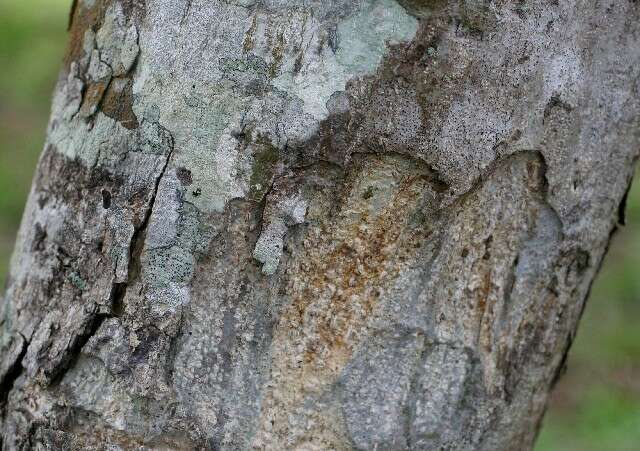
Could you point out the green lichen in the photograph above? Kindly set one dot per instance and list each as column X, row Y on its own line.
column 365, row 35
column 362, row 38
column 77, row 281
column 241, row 65
column 423, row 8
column 368, row 193
column 265, row 159
column 476, row 16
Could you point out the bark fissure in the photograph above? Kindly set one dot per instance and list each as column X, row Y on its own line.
column 13, row 373
column 137, row 242
column 75, row 348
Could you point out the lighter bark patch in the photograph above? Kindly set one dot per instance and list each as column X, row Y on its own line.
column 338, row 282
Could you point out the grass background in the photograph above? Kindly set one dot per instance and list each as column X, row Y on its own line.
column 596, row 406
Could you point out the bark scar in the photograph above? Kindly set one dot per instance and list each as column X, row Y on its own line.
column 285, row 207
column 137, row 242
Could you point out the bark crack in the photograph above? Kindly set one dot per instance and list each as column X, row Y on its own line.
column 136, row 245
column 75, row 348
column 118, row 290
column 13, row 373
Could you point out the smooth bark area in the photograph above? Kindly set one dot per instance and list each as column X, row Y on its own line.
column 319, row 224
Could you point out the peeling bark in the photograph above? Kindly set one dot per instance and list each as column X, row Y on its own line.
column 316, row 225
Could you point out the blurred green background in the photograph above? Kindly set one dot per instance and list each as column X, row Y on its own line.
column 596, row 406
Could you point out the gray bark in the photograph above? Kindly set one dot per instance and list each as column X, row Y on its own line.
column 319, row 224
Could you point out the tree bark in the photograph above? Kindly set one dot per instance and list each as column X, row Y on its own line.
column 320, row 224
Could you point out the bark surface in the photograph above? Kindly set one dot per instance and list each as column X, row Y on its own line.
column 319, row 224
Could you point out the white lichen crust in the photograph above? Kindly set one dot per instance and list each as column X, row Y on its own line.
column 329, row 224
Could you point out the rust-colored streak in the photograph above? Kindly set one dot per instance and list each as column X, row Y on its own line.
column 357, row 273
column 118, row 103
column 82, row 19
column 249, row 39
column 484, row 291
column 338, row 281
column 92, row 97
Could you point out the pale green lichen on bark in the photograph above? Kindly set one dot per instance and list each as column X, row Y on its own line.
column 362, row 40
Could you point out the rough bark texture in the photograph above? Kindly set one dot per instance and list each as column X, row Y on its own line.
column 319, row 224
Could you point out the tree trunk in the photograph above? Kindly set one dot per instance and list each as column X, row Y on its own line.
column 319, row 224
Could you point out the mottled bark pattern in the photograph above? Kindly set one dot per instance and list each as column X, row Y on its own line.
column 320, row 224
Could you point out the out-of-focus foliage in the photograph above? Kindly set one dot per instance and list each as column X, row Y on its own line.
column 32, row 39
column 596, row 406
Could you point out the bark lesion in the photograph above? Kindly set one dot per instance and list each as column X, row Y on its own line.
column 102, row 53
column 56, row 333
